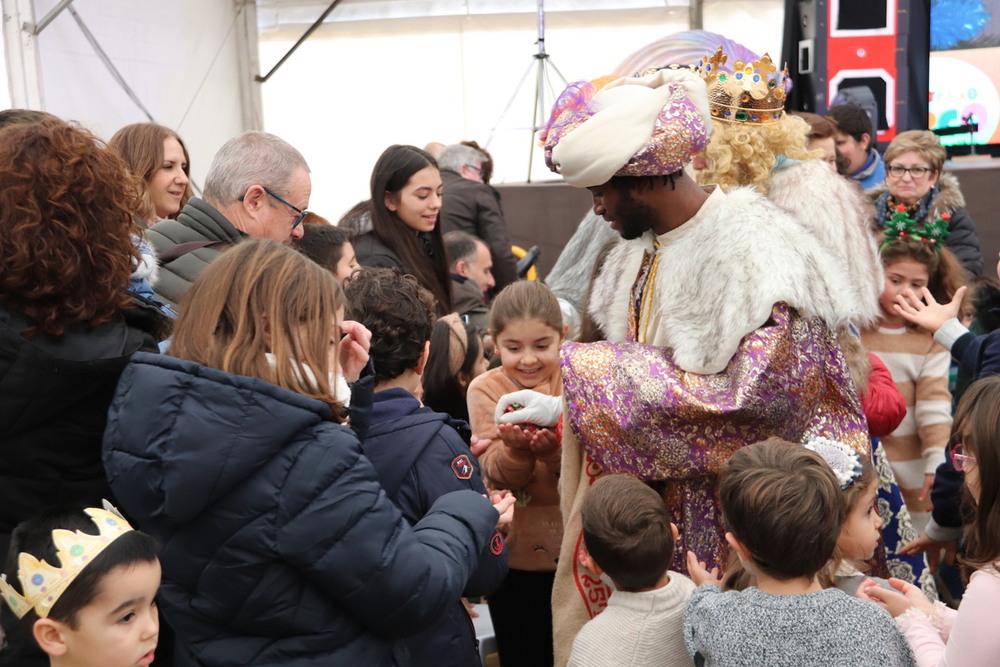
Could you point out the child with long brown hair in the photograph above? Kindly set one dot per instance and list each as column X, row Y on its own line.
column 279, row 543
column 527, row 330
column 913, row 259
column 938, row 634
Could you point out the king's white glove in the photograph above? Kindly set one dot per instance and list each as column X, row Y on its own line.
column 534, row 408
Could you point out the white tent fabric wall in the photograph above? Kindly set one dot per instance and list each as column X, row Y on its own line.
column 181, row 57
column 357, row 86
column 4, row 85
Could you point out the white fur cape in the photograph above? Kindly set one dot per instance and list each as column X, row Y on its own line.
column 720, row 281
column 837, row 211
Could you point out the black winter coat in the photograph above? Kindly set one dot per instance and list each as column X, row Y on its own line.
column 54, row 397
column 279, row 544
column 419, row 456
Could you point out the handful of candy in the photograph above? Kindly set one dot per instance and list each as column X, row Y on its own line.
column 529, row 428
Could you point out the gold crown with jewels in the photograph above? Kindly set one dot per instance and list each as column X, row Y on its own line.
column 42, row 583
column 753, row 93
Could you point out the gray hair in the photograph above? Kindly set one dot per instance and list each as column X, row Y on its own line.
column 252, row 158
column 455, row 156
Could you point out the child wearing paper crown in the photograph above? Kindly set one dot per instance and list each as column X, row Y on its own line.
column 914, row 257
column 83, row 584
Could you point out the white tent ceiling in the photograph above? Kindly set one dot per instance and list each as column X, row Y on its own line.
column 376, row 72
column 379, row 72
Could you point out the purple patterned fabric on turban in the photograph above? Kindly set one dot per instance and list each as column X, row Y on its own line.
column 650, row 125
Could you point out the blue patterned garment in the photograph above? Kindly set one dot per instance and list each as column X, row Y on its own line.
column 897, row 529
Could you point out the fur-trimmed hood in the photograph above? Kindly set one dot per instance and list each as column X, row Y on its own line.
column 721, row 278
column 948, row 198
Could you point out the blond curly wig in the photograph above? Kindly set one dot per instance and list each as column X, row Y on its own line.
column 741, row 154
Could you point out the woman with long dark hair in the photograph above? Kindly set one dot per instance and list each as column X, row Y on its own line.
column 405, row 227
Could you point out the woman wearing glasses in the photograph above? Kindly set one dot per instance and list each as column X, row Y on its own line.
column 915, row 179
column 405, row 226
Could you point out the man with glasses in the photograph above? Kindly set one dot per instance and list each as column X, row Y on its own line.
column 469, row 205
column 257, row 186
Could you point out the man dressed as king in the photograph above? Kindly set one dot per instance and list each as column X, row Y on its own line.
column 720, row 312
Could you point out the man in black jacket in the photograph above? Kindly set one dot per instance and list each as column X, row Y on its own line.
column 469, row 205
column 257, row 186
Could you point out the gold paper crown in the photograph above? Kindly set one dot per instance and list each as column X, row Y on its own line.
column 753, row 93
column 42, row 583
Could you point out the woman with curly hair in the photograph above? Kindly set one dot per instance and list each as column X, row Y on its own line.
column 67, row 324
column 157, row 158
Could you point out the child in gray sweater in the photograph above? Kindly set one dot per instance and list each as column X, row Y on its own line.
column 784, row 509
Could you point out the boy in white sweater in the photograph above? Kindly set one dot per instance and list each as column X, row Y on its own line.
column 627, row 534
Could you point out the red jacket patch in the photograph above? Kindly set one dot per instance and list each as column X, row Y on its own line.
column 496, row 544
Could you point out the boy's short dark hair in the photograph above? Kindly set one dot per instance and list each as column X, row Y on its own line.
column 323, row 243
column 783, row 502
column 626, row 530
column 34, row 536
column 853, row 120
column 399, row 313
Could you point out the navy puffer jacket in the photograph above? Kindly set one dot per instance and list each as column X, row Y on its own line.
column 279, row 545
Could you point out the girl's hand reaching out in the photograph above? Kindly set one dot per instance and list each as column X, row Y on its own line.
column 514, row 436
column 908, row 597
column 924, row 311
column 544, row 443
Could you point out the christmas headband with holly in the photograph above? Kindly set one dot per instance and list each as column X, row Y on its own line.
column 902, row 225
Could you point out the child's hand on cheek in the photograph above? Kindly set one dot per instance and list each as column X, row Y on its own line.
column 699, row 572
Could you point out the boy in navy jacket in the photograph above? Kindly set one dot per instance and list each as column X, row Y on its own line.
column 419, row 454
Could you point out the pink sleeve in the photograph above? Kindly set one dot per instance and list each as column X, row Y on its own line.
column 975, row 633
column 974, row 637
column 927, row 636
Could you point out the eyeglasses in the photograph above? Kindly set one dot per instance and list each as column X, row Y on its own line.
column 302, row 214
column 916, row 173
column 960, row 460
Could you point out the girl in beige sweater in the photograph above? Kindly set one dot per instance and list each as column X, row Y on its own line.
column 527, row 330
